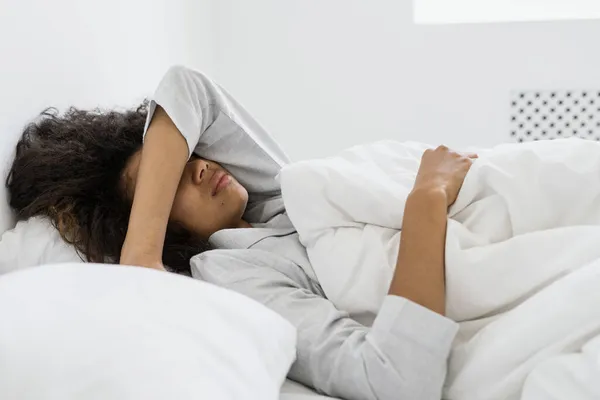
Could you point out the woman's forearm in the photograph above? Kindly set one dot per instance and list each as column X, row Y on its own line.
column 164, row 156
column 420, row 275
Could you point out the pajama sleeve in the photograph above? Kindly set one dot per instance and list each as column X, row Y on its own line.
column 403, row 356
column 216, row 127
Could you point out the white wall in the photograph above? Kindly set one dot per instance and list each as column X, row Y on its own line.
column 322, row 75
column 107, row 52
column 84, row 53
column 326, row 74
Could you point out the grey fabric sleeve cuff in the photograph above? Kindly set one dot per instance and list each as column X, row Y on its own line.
column 400, row 317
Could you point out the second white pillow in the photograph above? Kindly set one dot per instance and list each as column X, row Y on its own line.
column 97, row 332
column 31, row 243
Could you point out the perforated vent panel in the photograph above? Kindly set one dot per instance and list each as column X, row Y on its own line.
column 541, row 115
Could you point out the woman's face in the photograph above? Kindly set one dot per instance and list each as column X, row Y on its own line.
column 208, row 198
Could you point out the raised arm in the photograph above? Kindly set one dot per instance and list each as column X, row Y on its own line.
column 190, row 113
column 164, row 156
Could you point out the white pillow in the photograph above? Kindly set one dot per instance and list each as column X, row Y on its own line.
column 31, row 243
column 98, row 332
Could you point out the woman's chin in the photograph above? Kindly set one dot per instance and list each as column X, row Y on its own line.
column 241, row 192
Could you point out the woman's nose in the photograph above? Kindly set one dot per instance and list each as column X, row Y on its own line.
column 200, row 171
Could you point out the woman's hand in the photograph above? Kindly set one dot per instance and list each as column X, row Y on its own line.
column 443, row 169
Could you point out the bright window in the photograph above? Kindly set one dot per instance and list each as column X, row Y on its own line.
column 482, row 11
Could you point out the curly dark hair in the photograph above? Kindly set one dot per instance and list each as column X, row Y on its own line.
column 68, row 168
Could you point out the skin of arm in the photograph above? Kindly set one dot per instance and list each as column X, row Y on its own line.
column 420, row 275
column 164, row 156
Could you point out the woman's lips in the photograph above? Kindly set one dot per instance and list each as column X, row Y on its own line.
column 222, row 182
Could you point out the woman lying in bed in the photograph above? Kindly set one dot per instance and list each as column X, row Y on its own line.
column 203, row 184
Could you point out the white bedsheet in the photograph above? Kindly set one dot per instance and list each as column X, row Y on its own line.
column 522, row 243
column 295, row 391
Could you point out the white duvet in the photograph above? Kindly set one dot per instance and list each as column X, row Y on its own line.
column 522, row 256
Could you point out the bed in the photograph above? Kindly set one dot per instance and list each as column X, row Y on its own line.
column 295, row 391
column 83, row 331
column 57, row 345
